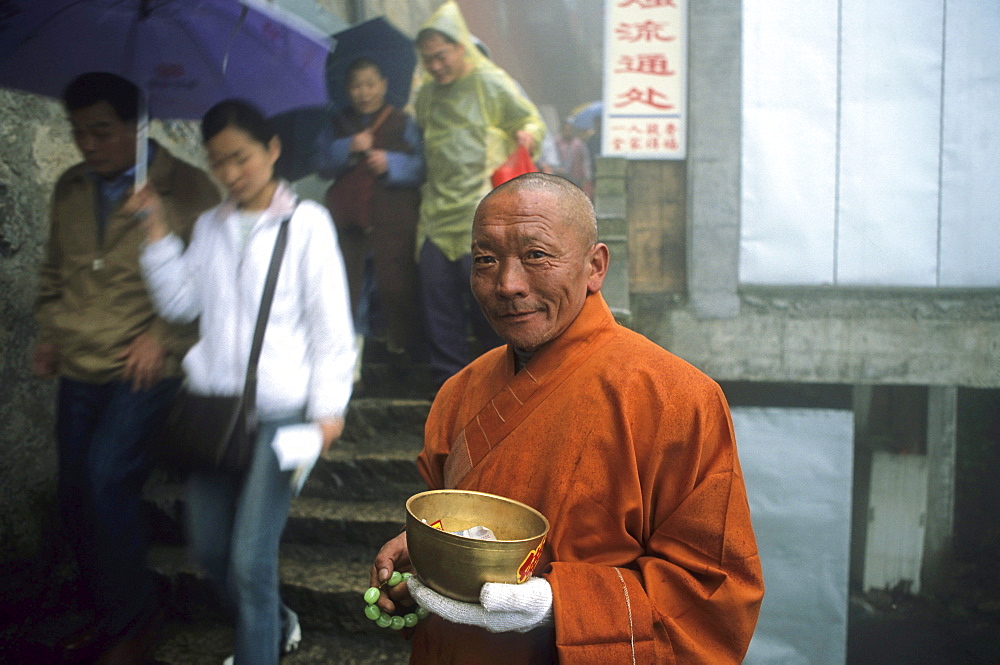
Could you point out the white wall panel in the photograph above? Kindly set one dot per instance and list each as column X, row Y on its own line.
column 898, row 512
column 970, row 196
column 889, row 148
column 789, row 117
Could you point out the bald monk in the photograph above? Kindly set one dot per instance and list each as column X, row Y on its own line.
column 626, row 449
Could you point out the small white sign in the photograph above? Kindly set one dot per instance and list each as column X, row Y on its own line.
column 645, row 74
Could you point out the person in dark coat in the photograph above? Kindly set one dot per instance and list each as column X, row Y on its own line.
column 375, row 155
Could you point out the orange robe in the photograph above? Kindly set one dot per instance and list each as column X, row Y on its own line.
column 629, row 452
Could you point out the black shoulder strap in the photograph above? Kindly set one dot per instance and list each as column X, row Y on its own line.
column 250, row 388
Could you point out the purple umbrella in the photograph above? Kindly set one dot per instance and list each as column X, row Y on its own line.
column 185, row 54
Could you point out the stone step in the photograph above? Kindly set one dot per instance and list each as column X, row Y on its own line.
column 185, row 643
column 367, row 524
column 381, row 379
column 352, row 503
column 311, row 519
column 374, row 417
column 365, row 478
column 323, row 584
column 376, row 458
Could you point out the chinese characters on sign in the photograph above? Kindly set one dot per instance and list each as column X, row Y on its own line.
column 645, row 73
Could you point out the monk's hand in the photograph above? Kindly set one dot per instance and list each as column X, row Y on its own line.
column 143, row 361
column 502, row 608
column 394, row 556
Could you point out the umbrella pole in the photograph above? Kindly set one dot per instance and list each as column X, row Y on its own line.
column 142, row 143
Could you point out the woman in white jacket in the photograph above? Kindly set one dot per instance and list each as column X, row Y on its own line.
column 305, row 368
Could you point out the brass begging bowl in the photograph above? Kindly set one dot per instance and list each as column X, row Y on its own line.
column 458, row 566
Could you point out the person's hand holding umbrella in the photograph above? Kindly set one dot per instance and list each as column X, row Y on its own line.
column 146, row 207
column 524, row 138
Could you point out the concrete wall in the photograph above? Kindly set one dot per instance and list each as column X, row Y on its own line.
column 34, row 144
column 934, row 339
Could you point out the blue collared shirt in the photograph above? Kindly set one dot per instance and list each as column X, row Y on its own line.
column 111, row 192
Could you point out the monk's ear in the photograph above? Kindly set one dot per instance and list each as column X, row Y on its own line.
column 598, row 263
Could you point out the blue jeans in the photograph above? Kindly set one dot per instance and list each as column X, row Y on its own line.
column 451, row 312
column 234, row 526
column 102, row 436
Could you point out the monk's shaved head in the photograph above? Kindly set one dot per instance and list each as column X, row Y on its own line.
column 576, row 209
column 535, row 258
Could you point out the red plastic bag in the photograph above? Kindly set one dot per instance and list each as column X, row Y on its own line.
column 517, row 164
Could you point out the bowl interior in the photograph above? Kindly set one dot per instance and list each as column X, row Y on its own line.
column 447, row 511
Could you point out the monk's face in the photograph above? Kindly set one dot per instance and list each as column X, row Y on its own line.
column 532, row 266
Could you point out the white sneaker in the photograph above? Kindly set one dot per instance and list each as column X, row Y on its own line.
column 292, row 638
column 228, row 661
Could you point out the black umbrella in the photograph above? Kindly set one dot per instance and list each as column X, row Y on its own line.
column 377, row 40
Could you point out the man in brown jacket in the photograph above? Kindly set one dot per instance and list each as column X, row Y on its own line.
column 117, row 363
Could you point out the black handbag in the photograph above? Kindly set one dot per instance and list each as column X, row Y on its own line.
column 218, row 433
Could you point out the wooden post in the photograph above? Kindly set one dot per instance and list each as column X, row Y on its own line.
column 610, row 198
column 942, row 416
column 657, row 219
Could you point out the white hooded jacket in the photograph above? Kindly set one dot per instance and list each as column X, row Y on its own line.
column 307, row 359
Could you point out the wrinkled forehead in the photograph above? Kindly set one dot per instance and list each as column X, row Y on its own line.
column 523, row 214
column 510, row 205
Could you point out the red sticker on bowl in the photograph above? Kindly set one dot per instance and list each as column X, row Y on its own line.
column 437, row 525
column 528, row 565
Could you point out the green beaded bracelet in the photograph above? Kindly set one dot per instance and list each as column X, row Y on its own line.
column 384, row 619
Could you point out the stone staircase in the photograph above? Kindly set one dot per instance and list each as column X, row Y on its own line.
column 352, row 503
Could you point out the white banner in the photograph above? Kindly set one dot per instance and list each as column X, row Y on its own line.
column 645, row 74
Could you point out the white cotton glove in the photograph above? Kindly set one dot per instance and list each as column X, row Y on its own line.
column 502, row 608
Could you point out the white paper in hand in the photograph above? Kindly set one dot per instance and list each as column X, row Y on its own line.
column 297, row 448
column 296, row 445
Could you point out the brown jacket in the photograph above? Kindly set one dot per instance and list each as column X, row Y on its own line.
column 92, row 300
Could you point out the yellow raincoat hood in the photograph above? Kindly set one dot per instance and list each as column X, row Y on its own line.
column 448, row 19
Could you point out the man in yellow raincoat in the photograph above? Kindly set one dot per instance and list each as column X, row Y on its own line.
column 473, row 115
